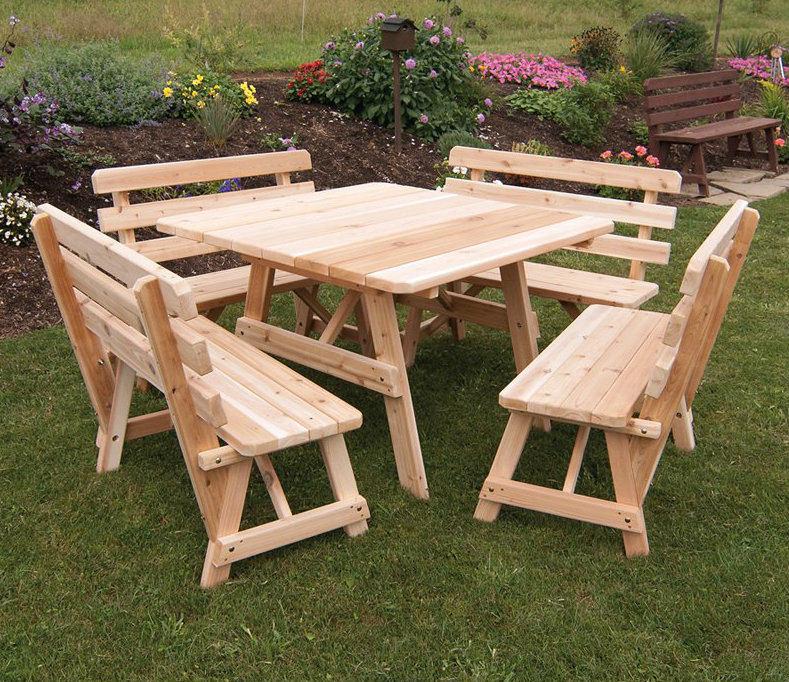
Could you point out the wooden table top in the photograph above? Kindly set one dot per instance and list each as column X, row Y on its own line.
column 383, row 236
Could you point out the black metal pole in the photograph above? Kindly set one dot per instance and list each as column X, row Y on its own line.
column 397, row 122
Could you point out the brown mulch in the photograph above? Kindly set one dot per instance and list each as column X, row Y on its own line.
column 344, row 150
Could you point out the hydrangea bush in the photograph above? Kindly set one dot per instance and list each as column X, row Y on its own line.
column 439, row 91
column 529, row 70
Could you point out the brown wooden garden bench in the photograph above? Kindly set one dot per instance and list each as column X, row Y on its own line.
column 569, row 286
column 632, row 374
column 230, row 404
column 212, row 290
column 692, row 99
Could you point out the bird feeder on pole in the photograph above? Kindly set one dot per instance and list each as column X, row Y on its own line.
column 397, row 35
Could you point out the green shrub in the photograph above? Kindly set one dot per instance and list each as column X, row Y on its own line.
column 541, row 103
column 459, row 138
column 621, row 83
column 597, row 48
column 647, row 54
column 96, row 84
column 439, row 92
column 640, row 131
column 218, row 121
column 775, row 103
column 743, row 45
column 532, row 146
column 688, row 41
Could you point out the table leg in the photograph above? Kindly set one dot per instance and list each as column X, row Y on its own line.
column 519, row 314
column 261, row 280
column 385, row 337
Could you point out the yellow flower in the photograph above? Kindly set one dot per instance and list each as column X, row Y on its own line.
column 623, row 69
column 167, row 92
column 194, row 93
column 197, row 80
column 200, row 104
column 471, row 68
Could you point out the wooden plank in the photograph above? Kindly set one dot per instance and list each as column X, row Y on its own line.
column 130, row 178
column 570, row 170
column 633, row 212
column 692, row 113
column 642, row 249
column 691, row 79
column 486, row 313
column 560, row 503
column 459, row 264
column 725, row 91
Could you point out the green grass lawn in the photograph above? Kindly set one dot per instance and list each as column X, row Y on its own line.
column 268, row 35
column 100, row 573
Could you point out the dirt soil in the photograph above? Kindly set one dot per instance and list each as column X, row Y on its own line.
column 344, row 150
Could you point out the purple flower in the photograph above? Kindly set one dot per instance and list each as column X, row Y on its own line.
column 435, row 40
column 380, row 15
column 285, row 141
column 410, row 63
column 291, row 149
column 488, row 102
column 359, row 45
column 433, row 73
column 481, row 118
column 330, row 45
column 75, row 187
column 447, row 31
column 460, row 40
column 429, row 24
column 423, row 118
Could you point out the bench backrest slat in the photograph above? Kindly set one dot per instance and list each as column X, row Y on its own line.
column 676, row 97
column 657, row 118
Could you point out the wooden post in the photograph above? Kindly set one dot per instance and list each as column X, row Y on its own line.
column 397, row 121
column 717, row 30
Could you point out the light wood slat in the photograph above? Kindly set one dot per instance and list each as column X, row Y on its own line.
column 571, row 170
column 482, row 312
column 129, row 178
column 247, row 543
column 422, row 240
column 616, row 245
column 716, row 244
column 679, row 319
column 194, row 226
column 145, row 214
column 454, row 265
column 661, row 371
column 633, row 212
column 341, row 363
column 218, row 457
column 344, row 416
column 148, row 424
column 569, row 505
column 163, row 249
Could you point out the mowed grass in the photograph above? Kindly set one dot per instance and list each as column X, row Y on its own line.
column 268, row 35
column 100, row 573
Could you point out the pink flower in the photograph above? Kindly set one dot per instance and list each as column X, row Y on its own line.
column 481, row 118
column 780, row 142
column 359, row 45
column 435, row 40
column 653, row 160
column 641, row 150
column 429, row 24
column 433, row 73
column 447, row 31
column 606, row 154
column 625, row 156
column 461, row 41
column 423, row 118
column 410, row 63
column 488, row 102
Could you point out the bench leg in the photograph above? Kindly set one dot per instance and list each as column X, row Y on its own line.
column 341, row 478
column 696, row 170
column 733, row 145
column 772, row 155
column 636, row 542
column 112, row 439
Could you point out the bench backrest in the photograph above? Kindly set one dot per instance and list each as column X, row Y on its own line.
column 124, row 218
column 707, row 287
column 647, row 214
column 688, row 97
column 93, row 278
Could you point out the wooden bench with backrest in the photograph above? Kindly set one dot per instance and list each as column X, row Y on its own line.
column 230, row 404
column 632, row 374
column 571, row 287
column 212, row 290
column 690, row 98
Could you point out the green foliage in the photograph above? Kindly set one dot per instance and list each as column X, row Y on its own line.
column 459, row 138
column 95, row 83
column 532, row 146
column 775, row 103
column 191, row 91
column 439, row 93
column 583, row 111
column 621, row 83
column 597, row 48
column 687, row 40
column 275, row 142
column 647, row 54
column 743, row 45
column 96, row 157
column 218, row 121
column 640, row 131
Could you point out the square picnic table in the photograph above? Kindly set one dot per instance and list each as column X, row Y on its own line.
column 385, row 243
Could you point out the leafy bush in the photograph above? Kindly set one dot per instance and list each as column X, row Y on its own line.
column 647, row 54
column 16, row 212
column 30, row 123
column 532, row 146
column 597, row 48
column 540, row 103
column 688, row 41
column 640, row 131
column 621, row 83
column 191, row 91
column 538, row 71
column 775, row 103
column 97, row 84
column 439, row 92
column 639, row 157
column 743, row 45
column 458, row 138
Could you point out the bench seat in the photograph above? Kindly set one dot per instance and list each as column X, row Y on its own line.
column 580, row 287
column 708, row 132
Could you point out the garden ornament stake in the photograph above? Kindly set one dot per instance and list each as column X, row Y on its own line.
column 397, row 35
